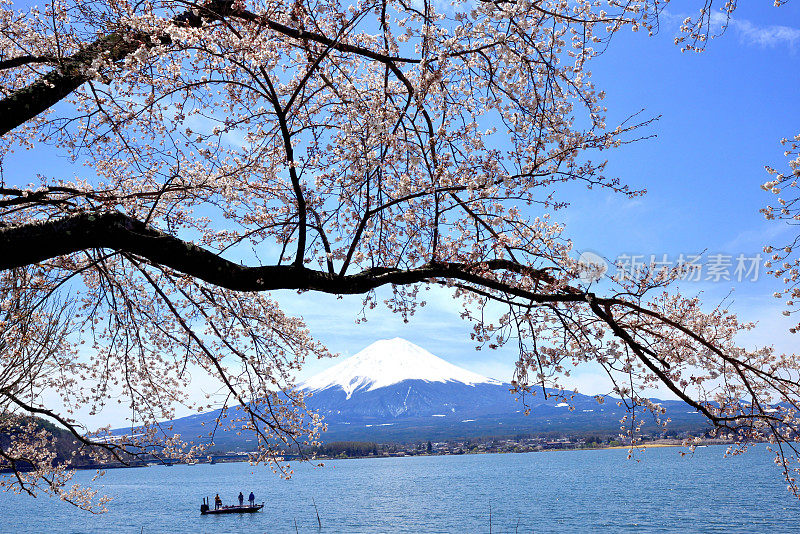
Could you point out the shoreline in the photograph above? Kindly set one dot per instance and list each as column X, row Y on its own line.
column 293, row 457
column 559, row 449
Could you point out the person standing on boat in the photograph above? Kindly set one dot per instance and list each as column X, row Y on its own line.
column 241, row 499
column 252, row 499
column 217, row 502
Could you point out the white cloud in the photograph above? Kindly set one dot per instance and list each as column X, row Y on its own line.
column 766, row 36
column 752, row 241
column 754, row 34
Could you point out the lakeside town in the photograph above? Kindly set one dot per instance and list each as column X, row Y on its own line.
column 489, row 445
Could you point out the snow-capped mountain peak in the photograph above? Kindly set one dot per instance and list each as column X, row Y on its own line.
column 388, row 362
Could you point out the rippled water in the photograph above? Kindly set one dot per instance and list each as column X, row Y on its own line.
column 565, row 491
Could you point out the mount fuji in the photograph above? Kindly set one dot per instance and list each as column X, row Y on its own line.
column 394, row 390
column 393, row 381
column 389, row 362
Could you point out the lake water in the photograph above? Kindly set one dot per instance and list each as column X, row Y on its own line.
column 560, row 491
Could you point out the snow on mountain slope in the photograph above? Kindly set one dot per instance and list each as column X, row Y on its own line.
column 388, row 362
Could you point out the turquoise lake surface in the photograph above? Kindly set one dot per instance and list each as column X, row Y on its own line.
column 559, row 491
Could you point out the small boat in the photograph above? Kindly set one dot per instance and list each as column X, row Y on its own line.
column 205, row 509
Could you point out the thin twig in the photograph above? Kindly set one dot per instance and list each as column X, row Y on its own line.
column 319, row 522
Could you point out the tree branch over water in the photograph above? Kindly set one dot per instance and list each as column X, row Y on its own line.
column 231, row 149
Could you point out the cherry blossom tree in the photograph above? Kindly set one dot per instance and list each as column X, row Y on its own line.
column 228, row 149
column 783, row 260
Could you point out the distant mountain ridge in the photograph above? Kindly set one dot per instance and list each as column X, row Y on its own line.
column 394, row 390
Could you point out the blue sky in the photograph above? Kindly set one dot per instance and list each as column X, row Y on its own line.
column 722, row 113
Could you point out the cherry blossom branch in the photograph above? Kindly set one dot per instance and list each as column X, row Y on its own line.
column 34, row 243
